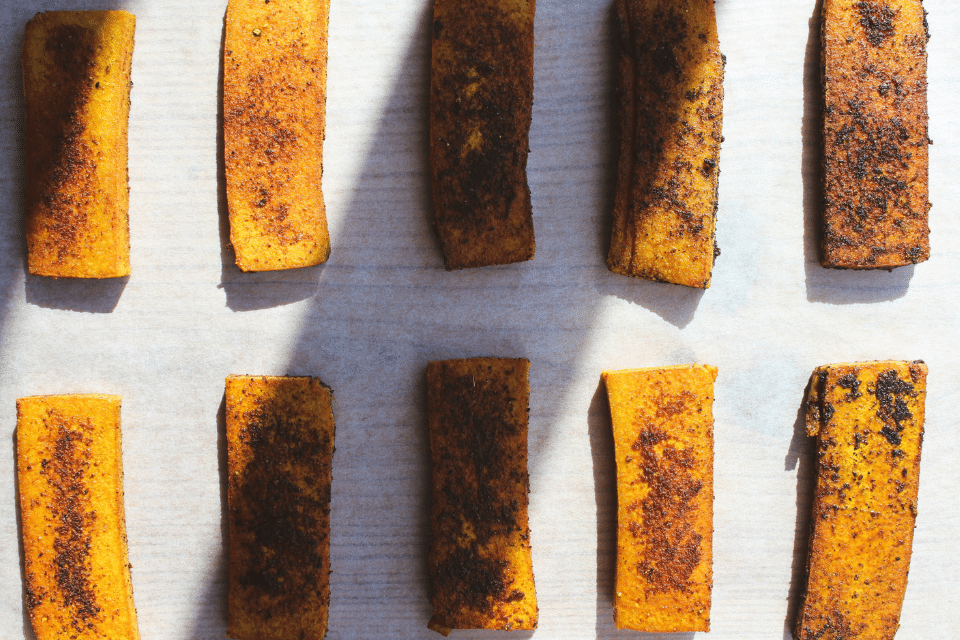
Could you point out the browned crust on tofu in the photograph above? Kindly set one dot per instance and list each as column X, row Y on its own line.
column 280, row 437
column 663, row 440
column 670, row 111
column 868, row 419
column 274, row 114
column 480, row 561
column 70, row 481
column 875, row 137
column 76, row 76
column 481, row 100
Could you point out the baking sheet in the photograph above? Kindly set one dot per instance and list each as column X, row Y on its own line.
column 368, row 321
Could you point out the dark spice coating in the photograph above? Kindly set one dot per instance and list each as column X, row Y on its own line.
column 481, row 101
column 672, row 553
column 480, row 564
column 280, row 449
column 875, row 163
column 670, row 111
column 66, row 472
column 77, row 184
column 865, row 503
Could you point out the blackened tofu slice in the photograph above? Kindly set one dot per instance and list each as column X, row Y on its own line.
column 481, row 101
column 280, row 434
column 480, row 562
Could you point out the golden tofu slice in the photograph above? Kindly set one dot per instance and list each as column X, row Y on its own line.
column 480, row 562
column 670, row 109
column 76, row 80
column 70, row 480
column 481, row 100
column 868, row 420
column 875, row 160
column 274, row 110
column 663, row 441
column 280, row 434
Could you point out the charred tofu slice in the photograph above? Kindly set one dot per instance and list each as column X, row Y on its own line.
column 663, row 440
column 76, row 80
column 670, row 106
column 274, row 110
column 480, row 562
column 868, row 421
column 70, row 479
column 280, row 434
column 481, row 100
column 875, row 160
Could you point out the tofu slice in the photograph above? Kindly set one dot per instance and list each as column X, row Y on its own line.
column 274, row 111
column 875, row 137
column 868, row 421
column 280, row 436
column 76, row 81
column 663, row 440
column 481, row 100
column 70, row 481
column 670, row 109
column 480, row 562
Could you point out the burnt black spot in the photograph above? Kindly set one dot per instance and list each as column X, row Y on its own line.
column 828, row 411
column 891, row 434
column 877, row 21
column 437, row 27
column 850, row 381
column 889, row 391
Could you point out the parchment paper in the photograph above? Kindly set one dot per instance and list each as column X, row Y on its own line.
column 368, row 321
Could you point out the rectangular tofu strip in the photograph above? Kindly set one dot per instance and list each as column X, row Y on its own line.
column 670, row 109
column 280, row 434
column 875, row 159
column 480, row 563
column 274, row 110
column 868, row 420
column 70, row 480
column 76, row 81
column 481, row 101
column 663, row 439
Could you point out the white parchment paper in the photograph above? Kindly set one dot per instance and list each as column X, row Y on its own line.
column 368, row 321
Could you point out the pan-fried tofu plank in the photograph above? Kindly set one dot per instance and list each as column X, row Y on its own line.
column 670, row 104
column 663, row 439
column 481, row 100
column 280, row 434
column 868, row 420
column 480, row 561
column 70, row 479
column 76, row 79
column 274, row 110
column 875, row 160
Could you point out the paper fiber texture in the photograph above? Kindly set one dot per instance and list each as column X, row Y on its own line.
column 368, row 321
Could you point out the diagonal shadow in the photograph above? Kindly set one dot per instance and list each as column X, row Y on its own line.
column 832, row 286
